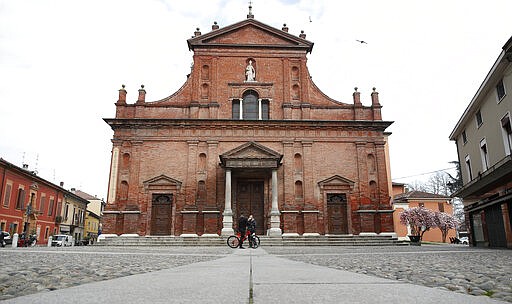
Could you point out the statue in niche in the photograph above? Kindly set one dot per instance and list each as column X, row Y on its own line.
column 250, row 73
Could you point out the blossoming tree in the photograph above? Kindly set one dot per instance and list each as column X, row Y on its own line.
column 445, row 222
column 420, row 219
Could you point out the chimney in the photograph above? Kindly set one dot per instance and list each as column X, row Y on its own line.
column 122, row 95
column 25, row 167
column 197, row 32
column 302, row 35
column 62, row 184
column 142, row 95
column 357, row 97
column 284, row 28
column 73, row 189
column 215, row 26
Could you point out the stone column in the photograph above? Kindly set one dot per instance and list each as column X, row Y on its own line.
column 259, row 108
column 275, row 222
column 227, row 221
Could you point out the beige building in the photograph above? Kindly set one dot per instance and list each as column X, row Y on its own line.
column 483, row 137
column 73, row 215
column 93, row 214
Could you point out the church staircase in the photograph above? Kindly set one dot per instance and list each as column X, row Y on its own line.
column 321, row 240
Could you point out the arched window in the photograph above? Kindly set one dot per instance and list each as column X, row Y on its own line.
column 123, row 190
column 250, row 107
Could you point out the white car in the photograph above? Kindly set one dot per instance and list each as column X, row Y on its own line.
column 62, row 240
column 464, row 240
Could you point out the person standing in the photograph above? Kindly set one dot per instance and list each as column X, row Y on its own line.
column 242, row 226
column 251, row 226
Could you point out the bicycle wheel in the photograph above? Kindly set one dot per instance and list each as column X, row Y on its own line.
column 233, row 241
column 255, row 241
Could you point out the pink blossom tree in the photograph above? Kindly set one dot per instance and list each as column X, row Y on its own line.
column 420, row 219
column 445, row 222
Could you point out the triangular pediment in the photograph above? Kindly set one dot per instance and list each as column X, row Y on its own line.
column 162, row 181
column 336, row 181
column 248, row 33
column 251, row 154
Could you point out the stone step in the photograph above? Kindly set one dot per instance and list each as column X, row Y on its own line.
column 337, row 240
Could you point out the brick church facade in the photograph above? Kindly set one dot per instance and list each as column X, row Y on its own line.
column 248, row 133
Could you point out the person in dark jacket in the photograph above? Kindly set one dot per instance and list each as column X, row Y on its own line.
column 242, row 226
column 251, row 226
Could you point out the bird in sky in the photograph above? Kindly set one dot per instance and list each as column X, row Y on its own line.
column 362, row 41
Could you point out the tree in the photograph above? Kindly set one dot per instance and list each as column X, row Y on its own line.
column 420, row 219
column 438, row 183
column 445, row 222
column 455, row 183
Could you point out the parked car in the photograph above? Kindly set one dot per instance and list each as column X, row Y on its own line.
column 62, row 240
column 7, row 237
column 464, row 240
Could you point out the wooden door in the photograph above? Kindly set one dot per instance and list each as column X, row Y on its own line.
column 337, row 213
column 250, row 201
column 161, row 213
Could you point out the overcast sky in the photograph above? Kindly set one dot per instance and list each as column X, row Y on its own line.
column 62, row 63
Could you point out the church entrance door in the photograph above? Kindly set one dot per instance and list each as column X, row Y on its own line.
column 337, row 213
column 161, row 214
column 250, row 201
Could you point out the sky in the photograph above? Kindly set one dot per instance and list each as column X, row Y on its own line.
column 62, row 63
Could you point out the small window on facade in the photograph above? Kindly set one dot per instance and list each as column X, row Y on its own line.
column 21, row 199
column 464, row 137
column 485, row 155
column 440, row 206
column 42, row 204
column 468, row 167
column 500, row 90
column 7, row 196
column 478, row 117
column 506, row 131
column 50, row 206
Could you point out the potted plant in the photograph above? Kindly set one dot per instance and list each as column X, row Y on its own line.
column 419, row 219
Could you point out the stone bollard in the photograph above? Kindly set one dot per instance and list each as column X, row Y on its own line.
column 50, row 241
column 15, row 240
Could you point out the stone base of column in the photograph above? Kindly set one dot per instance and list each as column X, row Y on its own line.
column 185, row 235
column 227, row 223
column 275, row 224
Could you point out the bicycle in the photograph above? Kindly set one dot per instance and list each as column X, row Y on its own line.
column 234, row 240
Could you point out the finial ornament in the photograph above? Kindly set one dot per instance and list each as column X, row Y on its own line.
column 250, row 15
column 355, row 89
column 374, row 89
column 123, row 86
column 142, row 86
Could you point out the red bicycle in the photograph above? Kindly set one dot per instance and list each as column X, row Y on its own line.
column 234, row 240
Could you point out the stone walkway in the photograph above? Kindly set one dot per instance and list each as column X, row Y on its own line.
column 481, row 272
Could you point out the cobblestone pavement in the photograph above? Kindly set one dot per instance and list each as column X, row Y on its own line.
column 484, row 272
column 29, row 270
column 458, row 268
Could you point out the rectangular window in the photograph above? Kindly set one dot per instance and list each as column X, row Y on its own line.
column 42, row 203
column 7, row 197
column 235, row 110
column 484, row 154
column 440, row 206
column 66, row 210
column 500, row 90
column 50, row 206
column 46, row 232
column 478, row 117
column 464, row 137
column 21, row 199
column 506, row 130
column 468, row 168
